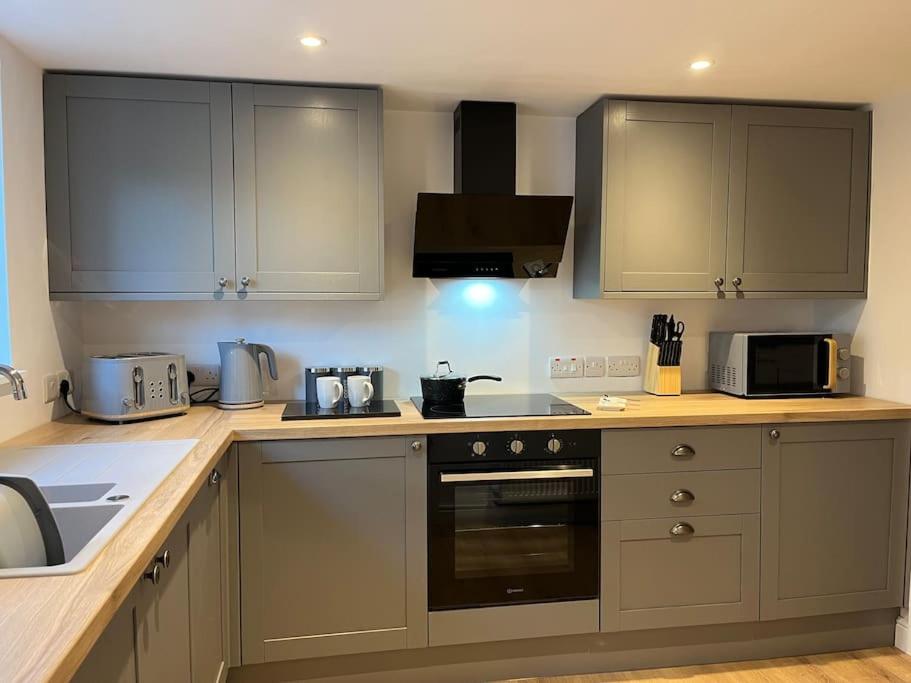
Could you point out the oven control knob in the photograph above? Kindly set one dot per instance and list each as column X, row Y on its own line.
column 554, row 445
column 478, row 448
column 844, row 354
column 516, row 446
column 843, row 373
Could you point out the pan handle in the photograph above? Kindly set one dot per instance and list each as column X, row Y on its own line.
column 493, row 378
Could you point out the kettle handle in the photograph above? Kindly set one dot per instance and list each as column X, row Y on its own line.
column 270, row 357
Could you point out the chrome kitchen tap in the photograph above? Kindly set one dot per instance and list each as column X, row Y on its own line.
column 15, row 379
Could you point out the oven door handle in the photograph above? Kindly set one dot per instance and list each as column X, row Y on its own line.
column 460, row 477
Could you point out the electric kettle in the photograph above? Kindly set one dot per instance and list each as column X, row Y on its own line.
column 241, row 383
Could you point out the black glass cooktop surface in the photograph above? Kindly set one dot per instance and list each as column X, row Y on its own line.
column 499, row 405
column 298, row 410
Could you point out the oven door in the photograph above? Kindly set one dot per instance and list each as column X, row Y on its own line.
column 790, row 365
column 508, row 533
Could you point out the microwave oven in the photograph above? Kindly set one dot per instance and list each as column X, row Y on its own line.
column 780, row 364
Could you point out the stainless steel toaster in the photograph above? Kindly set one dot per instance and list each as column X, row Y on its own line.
column 134, row 386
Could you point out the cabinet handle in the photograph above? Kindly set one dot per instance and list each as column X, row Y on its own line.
column 774, row 433
column 222, row 282
column 246, row 281
column 682, row 496
column 153, row 575
column 683, row 450
column 737, row 282
column 416, row 446
column 719, row 282
column 164, row 559
column 682, row 529
column 214, row 478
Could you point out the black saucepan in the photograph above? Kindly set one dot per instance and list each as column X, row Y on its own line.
column 444, row 386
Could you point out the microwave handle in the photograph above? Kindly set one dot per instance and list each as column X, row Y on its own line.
column 833, row 356
column 460, row 477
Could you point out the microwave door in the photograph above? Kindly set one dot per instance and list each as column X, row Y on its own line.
column 783, row 365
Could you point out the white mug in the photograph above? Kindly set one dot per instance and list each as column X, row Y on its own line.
column 329, row 391
column 360, row 390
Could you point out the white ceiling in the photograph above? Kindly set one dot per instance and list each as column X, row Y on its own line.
column 552, row 56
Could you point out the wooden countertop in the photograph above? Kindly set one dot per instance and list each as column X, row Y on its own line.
column 48, row 624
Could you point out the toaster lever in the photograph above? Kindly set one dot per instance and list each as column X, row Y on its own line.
column 172, row 383
column 138, row 387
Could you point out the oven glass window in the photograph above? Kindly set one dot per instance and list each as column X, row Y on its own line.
column 789, row 364
column 512, row 529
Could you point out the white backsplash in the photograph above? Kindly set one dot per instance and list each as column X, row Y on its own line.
column 421, row 321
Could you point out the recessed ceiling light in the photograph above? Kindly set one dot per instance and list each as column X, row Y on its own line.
column 313, row 41
column 701, row 64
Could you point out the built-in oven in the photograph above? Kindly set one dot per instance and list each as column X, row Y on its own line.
column 512, row 518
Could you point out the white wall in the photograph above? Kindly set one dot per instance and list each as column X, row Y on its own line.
column 45, row 336
column 421, row 321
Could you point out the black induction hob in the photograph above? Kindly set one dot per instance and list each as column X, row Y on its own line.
column 499, row 405
column 298, row 410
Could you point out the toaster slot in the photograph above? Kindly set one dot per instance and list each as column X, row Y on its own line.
column 172, row 383
column 139, row 392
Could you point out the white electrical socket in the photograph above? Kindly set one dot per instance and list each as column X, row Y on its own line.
column 206, row 375
column 623, row 366
column 562, row 367
column 51, row 388
column 594, row 366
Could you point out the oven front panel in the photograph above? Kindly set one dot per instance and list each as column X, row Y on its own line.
column 510, row 533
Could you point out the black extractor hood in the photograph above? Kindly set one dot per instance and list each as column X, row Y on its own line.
column 485, row 229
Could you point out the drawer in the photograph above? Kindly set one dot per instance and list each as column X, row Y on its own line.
column 652, row 578
column 639, row 451
column 646, row 496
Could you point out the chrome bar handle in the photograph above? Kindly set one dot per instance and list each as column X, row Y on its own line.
column 525, row 475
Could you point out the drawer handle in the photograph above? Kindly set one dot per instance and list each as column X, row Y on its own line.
column 682, row 529
column 683, row 451
column 682, row 496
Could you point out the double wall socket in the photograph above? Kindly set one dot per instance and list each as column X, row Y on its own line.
column 623, row 366
column 562, row 367
column 206, row 375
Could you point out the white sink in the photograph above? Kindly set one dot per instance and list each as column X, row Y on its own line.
column 93, row 489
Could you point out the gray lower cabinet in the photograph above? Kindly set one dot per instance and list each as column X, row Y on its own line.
column 797, row 219
column 139, row 185
column 834, row 516
column 716, row 201
column 333, row 555
column 174, row 625
column 307, row 190
column 679, row 571
column 179, row 189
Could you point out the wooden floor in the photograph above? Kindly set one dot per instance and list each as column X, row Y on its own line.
column 884, row 664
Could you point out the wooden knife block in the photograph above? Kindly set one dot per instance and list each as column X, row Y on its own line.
column 660, row 380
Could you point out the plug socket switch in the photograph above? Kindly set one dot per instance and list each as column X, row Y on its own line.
column 563, row 367
column 206, row 375
column 594, row 366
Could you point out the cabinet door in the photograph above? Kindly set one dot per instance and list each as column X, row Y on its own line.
column 208, row 634
column 798, row 200
column 139, row 184
column 834, row 513
column 666, row 216
column 307, row 187
column 326, row 542
column 113, row 657
column 163, row 617
column 653, row 578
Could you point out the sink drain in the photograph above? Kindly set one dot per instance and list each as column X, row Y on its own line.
column 118, row 497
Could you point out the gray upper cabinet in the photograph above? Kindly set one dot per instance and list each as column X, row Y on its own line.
column 834, row 513
column 664, row 169
column 139, row 185
column 713, row 201
column 176, row 189
column 307, row 188
column 333, row 553
column 798, row 200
